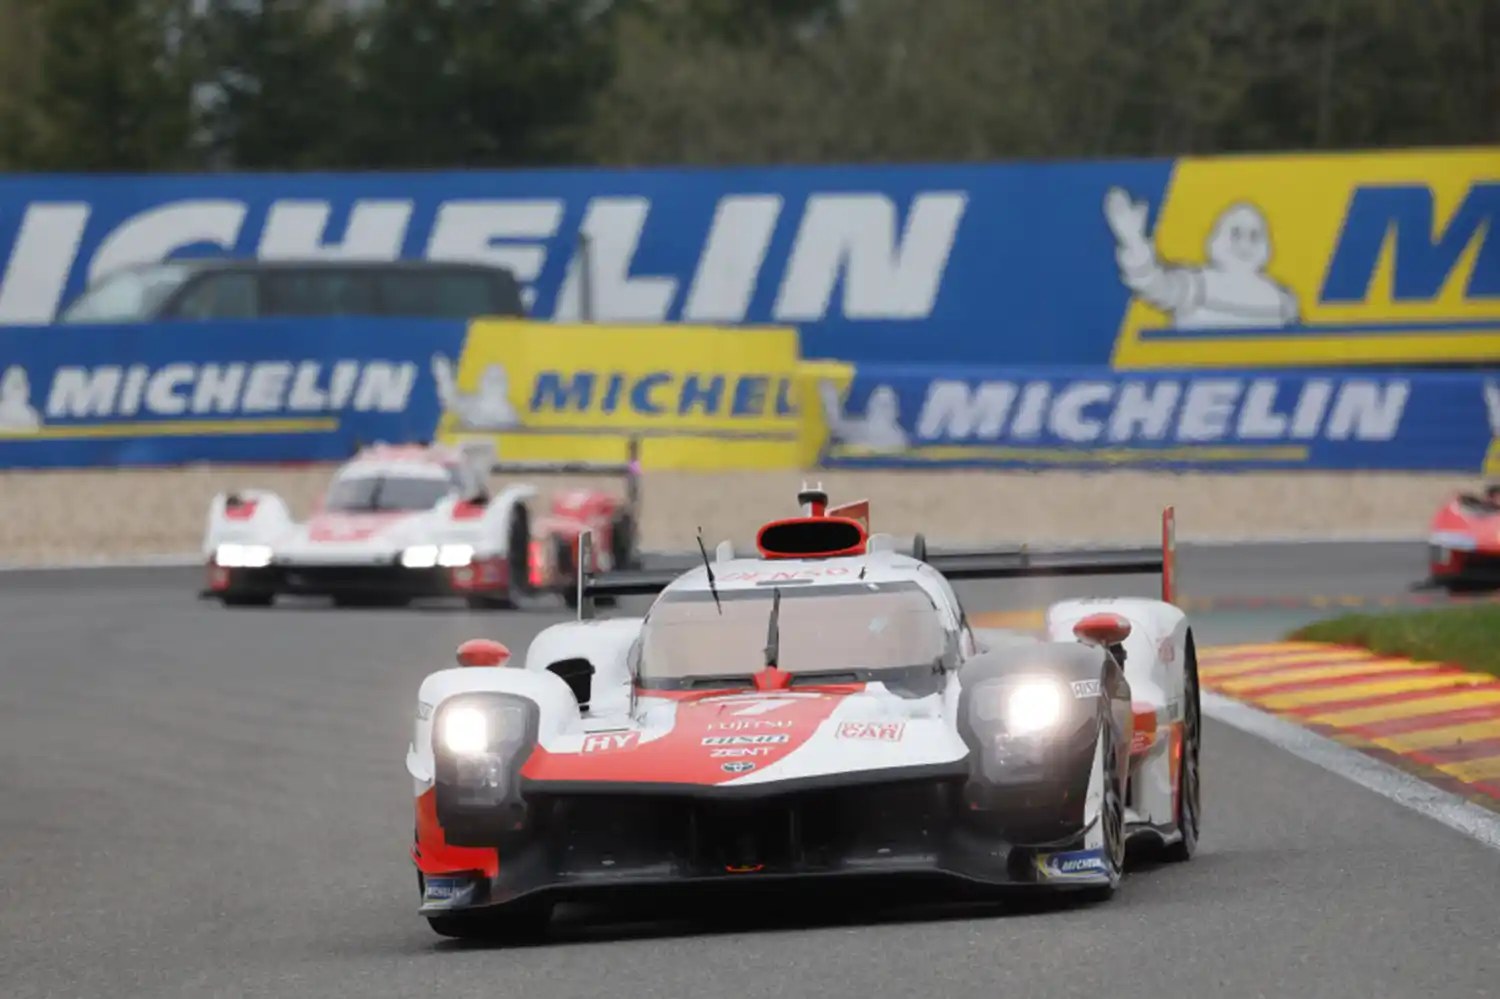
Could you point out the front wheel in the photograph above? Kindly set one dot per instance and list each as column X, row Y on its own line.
column 1111, row 822
column 1189, row 774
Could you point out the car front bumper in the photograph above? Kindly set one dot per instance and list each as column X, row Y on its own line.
column 655, row 848
column 360, row 580
column 1450, row 567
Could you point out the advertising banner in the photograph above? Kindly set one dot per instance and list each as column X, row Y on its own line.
column 1200, row 420
column 1279, row 261
column 288, row 390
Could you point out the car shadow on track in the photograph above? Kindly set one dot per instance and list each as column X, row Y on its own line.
column 588, row 924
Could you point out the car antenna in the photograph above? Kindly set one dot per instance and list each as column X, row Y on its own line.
column 773, row 632
column 708, row 568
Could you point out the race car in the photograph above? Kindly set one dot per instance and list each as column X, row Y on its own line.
column 820, row 711
column 402, row 522
column 1464, row 542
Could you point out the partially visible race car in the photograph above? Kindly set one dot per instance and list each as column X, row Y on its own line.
column 820, row 711
column 402, row 522
column 1464, row 542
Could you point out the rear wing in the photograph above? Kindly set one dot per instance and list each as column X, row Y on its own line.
column 979, row 563
column 629, row 469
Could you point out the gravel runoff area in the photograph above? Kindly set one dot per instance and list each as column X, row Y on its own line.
column 120, row 514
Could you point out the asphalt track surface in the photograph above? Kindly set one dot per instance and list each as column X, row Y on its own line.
column 201, row 802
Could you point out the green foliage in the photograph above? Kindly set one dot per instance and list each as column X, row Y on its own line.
column 275, row 87
column 105, row 86
column 1467, row 636
column 379, row 84
column 480, row 83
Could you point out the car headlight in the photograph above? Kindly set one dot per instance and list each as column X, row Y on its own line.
column 480, row 742
column 1454, row 541
column 1024, row 708
column 1033, row 707
column 235, row 556
column 455, row 555
column 420, row 557
column 466, row 731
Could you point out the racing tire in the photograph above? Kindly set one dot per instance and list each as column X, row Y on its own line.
column 1189, row 774
column 248, row 599
column 518, row 567
column 623, row 542
column 1112, row 821
column 515, row 923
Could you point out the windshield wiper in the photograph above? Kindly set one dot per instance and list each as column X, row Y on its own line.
column 713, row 588
column 773, row 632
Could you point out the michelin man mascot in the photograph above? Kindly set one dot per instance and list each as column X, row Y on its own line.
column 1231, row 290
column 16, row 412
column 488, row 408
column 878, row 430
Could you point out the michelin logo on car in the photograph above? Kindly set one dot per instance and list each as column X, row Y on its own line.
column 1078, row 865
column 854, row 254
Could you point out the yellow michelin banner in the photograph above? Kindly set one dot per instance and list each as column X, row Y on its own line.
column 1321, row 260
column 699, row 398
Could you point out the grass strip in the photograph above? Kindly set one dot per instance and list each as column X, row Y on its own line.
column 1467, row 636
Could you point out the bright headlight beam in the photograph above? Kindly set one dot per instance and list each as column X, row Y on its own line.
column 455, row 555
column 466, row 731
column 1033, row 707
column 420, row 557
column 235, row 556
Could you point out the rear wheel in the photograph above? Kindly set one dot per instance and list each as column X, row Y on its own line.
column 1189, row 777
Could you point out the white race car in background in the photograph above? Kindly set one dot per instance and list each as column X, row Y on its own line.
column 822, row 712
column 402, row 522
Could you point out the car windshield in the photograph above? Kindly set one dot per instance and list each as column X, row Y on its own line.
column 386, row 492
column 823, row 629
column 133, row 296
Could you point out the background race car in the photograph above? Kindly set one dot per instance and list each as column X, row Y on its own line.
column 1464, row 542
column 404, row 522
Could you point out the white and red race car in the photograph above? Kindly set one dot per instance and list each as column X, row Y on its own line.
column 403, row 522
column 823, row 712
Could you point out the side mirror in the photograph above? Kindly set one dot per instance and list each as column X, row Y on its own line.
column 1105, row 629
column 482, row 652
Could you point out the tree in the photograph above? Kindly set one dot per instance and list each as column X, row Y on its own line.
column 479, row 83
column 96, row 86
column 914, row 80
column 275, row 86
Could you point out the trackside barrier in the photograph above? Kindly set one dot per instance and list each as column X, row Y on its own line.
column 904, row 417
column 293, row 390
column 701, row 398
column 1228, row 262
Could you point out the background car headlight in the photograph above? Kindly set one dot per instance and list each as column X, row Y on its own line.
column 1033, row 707
column 451, row 556
column 234, row 556
column 466, row 731
column 420, row 557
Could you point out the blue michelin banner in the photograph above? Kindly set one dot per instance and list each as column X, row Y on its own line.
column 1204, row 420
column 231, row 392
column 286, row 390
column 1244, row 262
